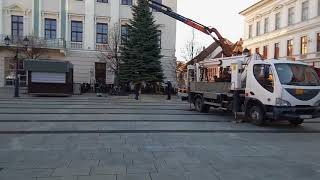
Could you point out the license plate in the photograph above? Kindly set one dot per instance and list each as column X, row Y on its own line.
column 305, row 116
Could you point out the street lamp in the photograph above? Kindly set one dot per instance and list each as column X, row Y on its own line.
column 16, row 84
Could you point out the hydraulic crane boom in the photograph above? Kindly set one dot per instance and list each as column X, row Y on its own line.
column 226, row 47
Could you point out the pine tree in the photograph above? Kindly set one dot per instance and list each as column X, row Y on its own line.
column 141, row 51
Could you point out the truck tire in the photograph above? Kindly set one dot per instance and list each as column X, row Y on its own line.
column 256, row 115
column 200, row 106
column 296, row 122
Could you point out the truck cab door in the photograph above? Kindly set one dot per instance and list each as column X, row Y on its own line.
column 260, row 83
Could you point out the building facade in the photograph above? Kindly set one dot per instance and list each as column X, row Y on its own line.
column 284, row 29
column 75, row 31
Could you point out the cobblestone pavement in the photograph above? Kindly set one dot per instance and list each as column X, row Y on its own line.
column 118, row 138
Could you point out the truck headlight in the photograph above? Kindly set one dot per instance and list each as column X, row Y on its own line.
column 281, row 102
column 317, row 103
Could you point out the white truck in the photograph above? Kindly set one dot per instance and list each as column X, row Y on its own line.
column 257, row 90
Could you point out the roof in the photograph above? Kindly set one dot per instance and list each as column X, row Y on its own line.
column 53, row 66
column 204, row 54
column 254, row 6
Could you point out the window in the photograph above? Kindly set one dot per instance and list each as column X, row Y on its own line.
column 276, row 50
column 305, row 11
column 102, row 1
column 265, row 52
column 76, row 31
column 266, row 25
column 17, row 26
column 318, row 42
column 264, row 76
column 50, row 29
column 126, row 2
column 290, row 48
column 159, row 37
column 304, row 45
column 290, row 16
column 257, row 50
column 250, row 31
column 258, row 28
column 124, row 33
column 102, row 33
column 277, row 21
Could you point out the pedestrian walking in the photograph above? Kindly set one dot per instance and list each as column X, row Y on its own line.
column 137, row 87
column 168, row 89
column 99, row 89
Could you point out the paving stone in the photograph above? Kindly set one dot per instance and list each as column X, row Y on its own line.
column 168, row 176
column 112, row 169
column 33, row 173
column 15, row 177
column 202, row 175
column 83, row 163
column 19, row 165
column 71, row 172
column 53, row 163
column 97, row 177
column 59, row 178
column 134, row 177
column 141, row 169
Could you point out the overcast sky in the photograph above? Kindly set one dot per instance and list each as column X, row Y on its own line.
column 221, row 14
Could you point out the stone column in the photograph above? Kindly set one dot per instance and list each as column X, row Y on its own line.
column 35, row 18
column 1, row 18
column 63, row 19
column 41, row 28
column 89, row 25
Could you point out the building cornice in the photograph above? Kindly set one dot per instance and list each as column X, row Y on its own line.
column 255, row 6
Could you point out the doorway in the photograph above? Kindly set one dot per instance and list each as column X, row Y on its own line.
column 100, row 69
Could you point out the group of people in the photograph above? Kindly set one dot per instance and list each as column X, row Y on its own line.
column 168, row 90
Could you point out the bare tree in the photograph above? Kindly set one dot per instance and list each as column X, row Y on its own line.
column 35, row 49
column 191, row 49
column 109, row 52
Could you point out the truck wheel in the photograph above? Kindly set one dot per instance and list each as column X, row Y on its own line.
column 200, row 106
column 296, row 122
column 256, row 115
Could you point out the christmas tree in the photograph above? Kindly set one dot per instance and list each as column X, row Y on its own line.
column 141, row 52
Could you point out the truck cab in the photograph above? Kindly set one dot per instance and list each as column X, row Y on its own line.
column 281, row 89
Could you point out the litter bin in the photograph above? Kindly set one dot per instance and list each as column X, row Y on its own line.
column 77, row 89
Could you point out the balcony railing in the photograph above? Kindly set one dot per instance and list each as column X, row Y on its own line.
column 102, row 47
column 36, row 42
column 74, row 45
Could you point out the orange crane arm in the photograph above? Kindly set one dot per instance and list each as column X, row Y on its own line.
column 227, row 48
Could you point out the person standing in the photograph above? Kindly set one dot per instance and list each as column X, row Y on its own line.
column 168, row 90
column 137, row 90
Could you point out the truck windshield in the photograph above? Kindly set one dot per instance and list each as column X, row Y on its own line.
column 297, row 74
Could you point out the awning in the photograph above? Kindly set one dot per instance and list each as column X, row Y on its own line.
column 54, row 66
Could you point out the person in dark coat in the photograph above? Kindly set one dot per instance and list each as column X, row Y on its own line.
column 168, row 89
column 137, row 91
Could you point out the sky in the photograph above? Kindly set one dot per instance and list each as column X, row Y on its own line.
column 221, row 14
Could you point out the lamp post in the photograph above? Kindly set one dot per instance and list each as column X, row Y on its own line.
column 17, row 83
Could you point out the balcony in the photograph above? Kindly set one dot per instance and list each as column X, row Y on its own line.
column 35, row 42
column 75, row 45
column 102, row 47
